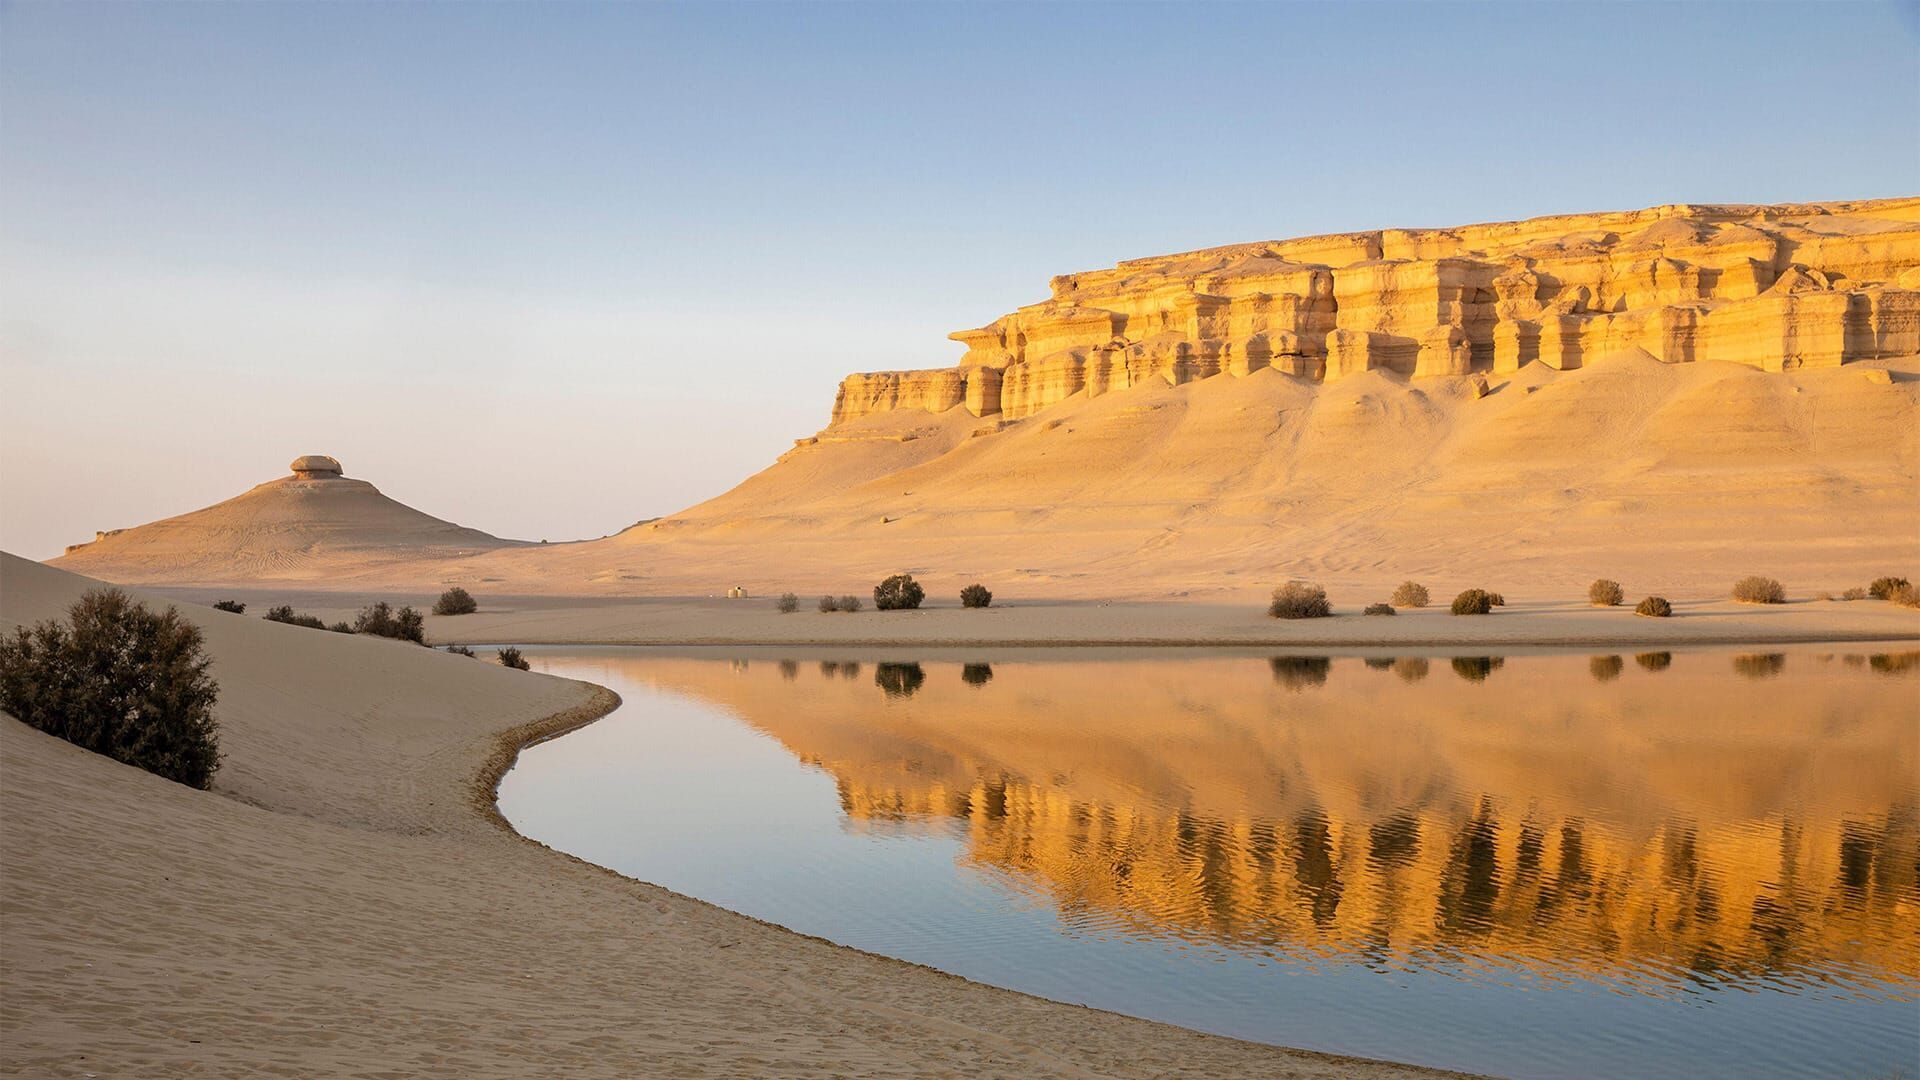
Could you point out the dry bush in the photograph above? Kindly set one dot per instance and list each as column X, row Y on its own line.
column 1473, row 602
column 119, row 679
column 975, row 596
column 234, row 606
column 1410, row 594
column 456, row 601
column 459, row 650
column 285, row 614
column 1855, row 593
column 1605, row 593
column 1379, row 609
column 898, row 593
column 1299, row 600
column 1654, row 607
column 788, row 604
column 381, row 620
column 1759, row 590
column 828, row 603
column 1497, row 599
column 1905, row 596
column 510, row 657
column 849, row 603
column 1882, row 588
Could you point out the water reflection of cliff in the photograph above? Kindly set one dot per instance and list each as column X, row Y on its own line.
column 1652, row 824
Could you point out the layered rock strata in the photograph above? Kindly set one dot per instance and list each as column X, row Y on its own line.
column 1773, row 287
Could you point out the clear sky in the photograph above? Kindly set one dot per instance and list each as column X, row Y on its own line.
column 546, row 269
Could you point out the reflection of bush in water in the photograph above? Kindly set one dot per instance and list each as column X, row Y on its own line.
column 1476, row 668
column 1894, row 663
column 1300, row 672
column 789, row 670
column 1760, row 665
column 1380, row 663
column 1606, row 668
column 976, row 674
column 898, row 680
column 1654, row 661
column 1411, row 668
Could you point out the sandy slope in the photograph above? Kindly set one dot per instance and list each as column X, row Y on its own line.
column 344, row 904
column 288, row 529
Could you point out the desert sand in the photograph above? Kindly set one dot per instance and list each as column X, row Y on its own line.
column 1673, row 398
column 347, row 902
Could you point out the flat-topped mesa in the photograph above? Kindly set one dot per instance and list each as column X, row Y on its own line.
column 1774, row 287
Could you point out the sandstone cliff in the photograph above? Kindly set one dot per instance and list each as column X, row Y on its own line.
column 1772, row 287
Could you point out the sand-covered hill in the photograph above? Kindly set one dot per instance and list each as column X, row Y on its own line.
column 1672, row 397
column 309, row 525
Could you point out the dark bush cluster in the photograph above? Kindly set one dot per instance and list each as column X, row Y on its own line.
column 234, row 606
column 1883, row 587
column 975, row 596
column 1759, row 590
column 898, row 593
column 1606, row 593
column 1497, row 599
column 1654, row 607
column 1473, row 602
column 787, row 604
column 456, row 601
column 840, row 603
column 381, row 620
column 119, row 679
column 459, row 650
column 1410, row 594
column 285, row 614
column 510, row 657
column 1299, row 600
column 1905, row 596
column 1380, row 609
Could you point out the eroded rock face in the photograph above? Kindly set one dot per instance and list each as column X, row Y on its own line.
column 1773, row 287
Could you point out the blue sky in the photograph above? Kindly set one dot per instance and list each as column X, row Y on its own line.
column 548, row 269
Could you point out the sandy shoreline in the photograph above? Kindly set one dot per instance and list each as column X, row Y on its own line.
column 347, row 902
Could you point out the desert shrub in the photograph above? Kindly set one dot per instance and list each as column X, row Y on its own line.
column 510, row 657
column 285, row 614
column 788, row 604
column 898, row 680
column 1410, row 594
column 1759, row 590
column 828, row 603
column 1905, row 596
column 898, row 593
column 975, row 596
column 1379, row 609
column 1605, row 593
column 1497, row 599
column 381, row 620
column 1300, row 672
column 456, row 601
column 849, row 603
column 234, row 606
column 341, row 628
column 1299, row 600
column 1473, row 602
column 1882, row 588
column 976, row 674
column 459, row 650
column 1654, row 607
column 1855, row 593
column 1606, row 668
column 119, row 679
column 1654, row 661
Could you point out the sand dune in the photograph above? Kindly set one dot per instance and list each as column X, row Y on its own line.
column 344, row 902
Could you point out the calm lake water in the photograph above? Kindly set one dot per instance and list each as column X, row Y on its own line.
column 1666, row 864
